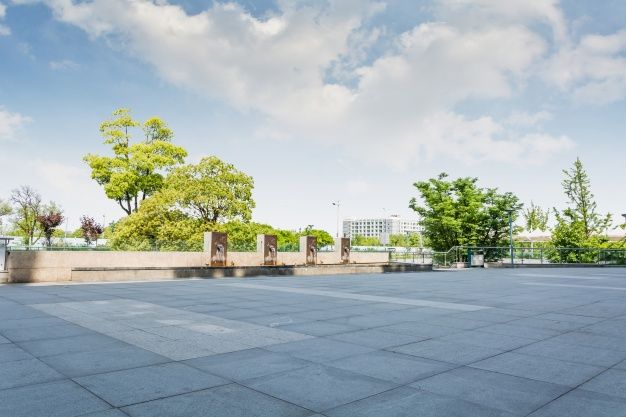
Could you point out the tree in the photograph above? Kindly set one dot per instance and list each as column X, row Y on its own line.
column 194, row 199
column 323, row 237
column 90, row 229
column 407, row 240
column 135, row 171
column 211, row 191
column 579, row 225
column 358, row 240
column 459, row 213
column 27, row 208
column 577, row 187
column 49, row 220
column 535, row 218
column 5, row 211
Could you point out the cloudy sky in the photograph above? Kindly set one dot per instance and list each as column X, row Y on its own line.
column 321, row 100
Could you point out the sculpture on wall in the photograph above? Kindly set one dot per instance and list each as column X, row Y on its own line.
column 308, row 246
column 342, row 245
column 267, row 247
column 216, row 245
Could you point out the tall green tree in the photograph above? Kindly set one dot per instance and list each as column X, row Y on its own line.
column 459, row 213
column 535, row 218
column 583, row 207
column 135, row 170
column 580, row 224
column 211, row 191
column 27, row 207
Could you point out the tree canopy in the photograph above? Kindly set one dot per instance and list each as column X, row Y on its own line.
column 580, row 224
column 458, row 212
column 209, row 196
column 211, row 191
column 135, row 171
column 535, row 218
column 28, row 206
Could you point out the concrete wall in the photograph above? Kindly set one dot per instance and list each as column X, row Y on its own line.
column 53, row 266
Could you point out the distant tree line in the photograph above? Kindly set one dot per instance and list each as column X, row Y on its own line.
column 460, row 213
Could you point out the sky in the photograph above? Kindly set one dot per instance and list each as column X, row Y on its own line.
column 321, row 100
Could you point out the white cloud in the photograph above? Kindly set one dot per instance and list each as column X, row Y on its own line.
column 594, row 69
column 4, row 30
column 524, row 119
column 486, row 12
column 63, row 65
column 11, row 123
column 402, row 106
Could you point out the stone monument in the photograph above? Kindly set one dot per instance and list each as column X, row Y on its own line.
column 342, row 245
column 216, row 245
column 308, row 247
column 4, row 251
column 266, row 246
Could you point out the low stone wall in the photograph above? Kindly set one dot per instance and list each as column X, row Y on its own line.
column 154, row 274
column 56, row 266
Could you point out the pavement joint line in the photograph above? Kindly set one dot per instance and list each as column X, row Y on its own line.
column 595, row 287
column 565, row 393
column 374, row 298
column 529, row 275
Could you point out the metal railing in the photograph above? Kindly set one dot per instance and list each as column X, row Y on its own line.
column 412, row 257
column 531, row 255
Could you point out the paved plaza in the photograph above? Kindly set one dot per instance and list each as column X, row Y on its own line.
column 537, row 342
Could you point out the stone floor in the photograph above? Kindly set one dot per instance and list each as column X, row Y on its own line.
column 537, row 342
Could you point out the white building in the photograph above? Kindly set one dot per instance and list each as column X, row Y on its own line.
column 381, row 228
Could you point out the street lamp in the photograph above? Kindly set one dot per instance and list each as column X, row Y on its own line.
column 510, row 212
column 338, row 205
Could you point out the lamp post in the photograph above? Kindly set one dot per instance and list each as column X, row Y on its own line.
column 338, row 205
column 510, row 212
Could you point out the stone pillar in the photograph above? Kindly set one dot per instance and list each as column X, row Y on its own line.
column 342, row 245
column 216, row 245
column 267, row 247
column 308, row 247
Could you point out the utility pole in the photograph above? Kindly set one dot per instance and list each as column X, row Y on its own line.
column 510, row 212
column 338, row 205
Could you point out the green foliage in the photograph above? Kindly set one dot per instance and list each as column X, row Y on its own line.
column 458, row 212
column 211, row 191
column 358, row 240
column 323, row 237
column 135, row 171
column 579, row 225
column 535, row 218
column 583, row 208
column 209, row 196
column 411, row 240
column 27, row 207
